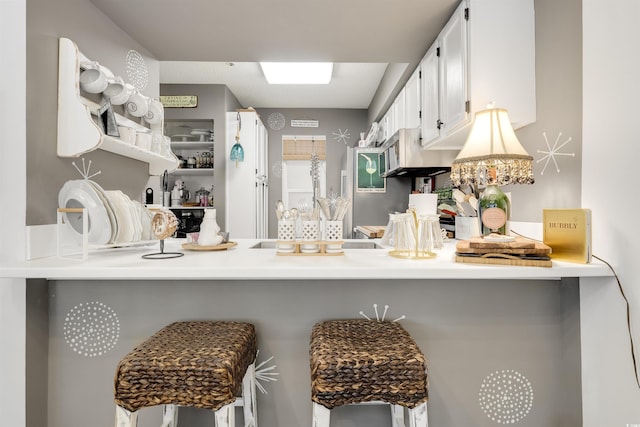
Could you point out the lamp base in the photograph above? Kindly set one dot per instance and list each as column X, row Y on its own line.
column 493, row 211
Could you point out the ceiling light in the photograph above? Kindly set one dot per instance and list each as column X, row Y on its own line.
column 297, row 73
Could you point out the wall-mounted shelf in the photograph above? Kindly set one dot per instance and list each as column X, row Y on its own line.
column 78, row 130
column 191, row 145
column 193, row 171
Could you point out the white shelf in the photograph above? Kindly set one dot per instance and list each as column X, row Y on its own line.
column 192, row 171
column 78, row 133
column 191, row 145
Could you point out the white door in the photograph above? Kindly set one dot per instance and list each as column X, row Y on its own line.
column 262, row 182
column 430, row 94
column 453, row 72
column 297, row 187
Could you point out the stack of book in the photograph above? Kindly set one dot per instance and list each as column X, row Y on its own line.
column 568, row 233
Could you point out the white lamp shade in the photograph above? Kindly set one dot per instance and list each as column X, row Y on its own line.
column 491, row 135
column 492, row 153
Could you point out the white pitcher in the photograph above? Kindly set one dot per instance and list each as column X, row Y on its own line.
column 209, row 229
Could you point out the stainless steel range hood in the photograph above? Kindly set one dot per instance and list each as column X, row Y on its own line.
column 404, row 156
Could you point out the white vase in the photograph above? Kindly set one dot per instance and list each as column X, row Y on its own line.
column 209, row 229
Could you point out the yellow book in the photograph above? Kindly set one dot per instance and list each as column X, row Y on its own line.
column 568, row 233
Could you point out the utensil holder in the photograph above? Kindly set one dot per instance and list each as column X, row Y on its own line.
column 333, row 232
column 287, row 233
column 310, row 235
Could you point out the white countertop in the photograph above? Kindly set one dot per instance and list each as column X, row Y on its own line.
column 243, row 262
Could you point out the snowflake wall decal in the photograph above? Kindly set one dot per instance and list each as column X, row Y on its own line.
column 276, row 121
column 506, row 396
column 91, row 329
column 276, row 169
column 553, row 152
column 137, row 70
column 342, row 136
column 384, row 314
column 264, row 374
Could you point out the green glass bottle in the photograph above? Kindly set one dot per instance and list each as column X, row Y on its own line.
column 493, row 211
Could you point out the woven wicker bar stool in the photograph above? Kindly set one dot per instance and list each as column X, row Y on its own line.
column 364, row 361
column 201, row 364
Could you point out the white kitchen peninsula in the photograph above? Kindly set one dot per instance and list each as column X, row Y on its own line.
column 473, row 322
column 245, row 262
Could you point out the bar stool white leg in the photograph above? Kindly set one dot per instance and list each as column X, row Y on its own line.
column 226, row 416
column 126, row 418
column 418, row 416
column 321, row 416
column 249, row 397
column 169, row 416
column 397, row 416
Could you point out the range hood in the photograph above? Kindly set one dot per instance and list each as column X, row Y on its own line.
column 404, row 156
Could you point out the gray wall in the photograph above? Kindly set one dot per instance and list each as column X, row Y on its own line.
column 213, row 103
column 467, row 330
column 99, row 39
column 559, row 110
column 330, row 121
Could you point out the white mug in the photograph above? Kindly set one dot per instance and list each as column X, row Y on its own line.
column 137, row 105
column 93, row 79
column 127, row 134
column 118, row 91
column 143, row 140
column 155, row 113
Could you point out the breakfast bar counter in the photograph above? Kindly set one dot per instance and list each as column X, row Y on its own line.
column 479, row 326
column 258, row 260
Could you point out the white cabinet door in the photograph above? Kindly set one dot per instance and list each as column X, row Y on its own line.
column 453, row 72
column 430, row 94
column 245, row 202
column 262, row 181
column 412, row 105
column 398, row 112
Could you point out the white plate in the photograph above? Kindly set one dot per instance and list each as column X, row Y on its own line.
column 145, row 221
column 110, row 212
column 135, row 220
column 80, row 194
column 123, row 216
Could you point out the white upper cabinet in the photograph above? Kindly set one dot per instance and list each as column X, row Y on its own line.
column 430, row 92
column 412, row 91
column 453, row 72
column 398, row 108
column 485, row 53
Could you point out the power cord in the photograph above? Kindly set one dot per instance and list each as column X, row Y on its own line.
column 626, row 301
column 628, row 309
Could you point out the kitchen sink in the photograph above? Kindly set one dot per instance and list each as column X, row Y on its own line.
column 348, row 244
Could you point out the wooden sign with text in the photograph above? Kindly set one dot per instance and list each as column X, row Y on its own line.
column 179, row 101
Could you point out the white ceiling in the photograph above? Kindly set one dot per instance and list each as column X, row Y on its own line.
column 195, row 40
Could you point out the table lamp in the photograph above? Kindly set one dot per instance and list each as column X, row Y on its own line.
column 492, row 156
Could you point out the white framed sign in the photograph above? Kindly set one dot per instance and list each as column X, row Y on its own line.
column 304, row 123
